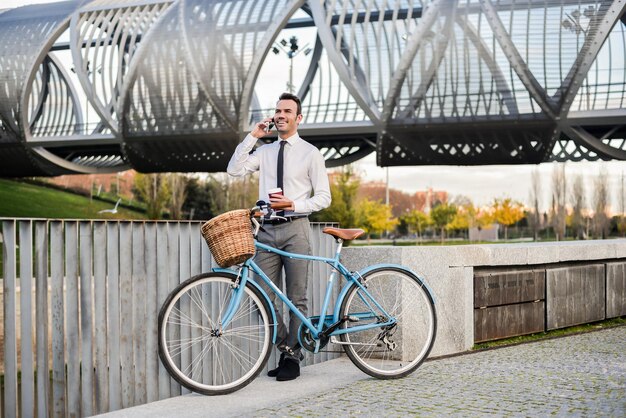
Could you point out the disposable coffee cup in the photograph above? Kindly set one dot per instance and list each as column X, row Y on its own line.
column 275, row 192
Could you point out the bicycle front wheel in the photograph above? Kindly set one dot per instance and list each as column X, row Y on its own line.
column 195, row 349
column 389, row 351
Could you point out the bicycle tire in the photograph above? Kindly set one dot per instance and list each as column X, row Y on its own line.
column 190, row 346
column 404, row 296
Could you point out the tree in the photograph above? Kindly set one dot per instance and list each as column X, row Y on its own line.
column 198, row 201
column 558, row 214
column 442, row 214
column 621, row 225
column 376, row 217
column 577, row 222
column 484, row 218
column 601, row 219
column 535, row 201
column 469, row 216
column 239, row 193
column 153, row 190
column 464, row 218
column 507, row 212
column 343, row 209
column 417, row 222
column 177, row 184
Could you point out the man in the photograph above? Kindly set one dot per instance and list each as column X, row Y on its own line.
column 304, row 182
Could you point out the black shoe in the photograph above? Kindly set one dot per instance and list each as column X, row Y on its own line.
column 274, row 372
column 289, row 371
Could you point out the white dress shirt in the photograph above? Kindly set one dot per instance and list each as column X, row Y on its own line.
column 305, row 180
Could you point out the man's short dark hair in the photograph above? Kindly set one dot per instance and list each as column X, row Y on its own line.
column 289, row 96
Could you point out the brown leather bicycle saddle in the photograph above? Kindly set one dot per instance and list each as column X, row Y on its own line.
column 344, row 234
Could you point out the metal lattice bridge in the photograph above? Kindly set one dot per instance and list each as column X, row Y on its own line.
column 163, row 85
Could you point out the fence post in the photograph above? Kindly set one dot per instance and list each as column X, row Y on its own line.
column 152, row 357
column 27, row 381
column 72, row 337
column 86, row 317
column 58, row 319
column 113, row 324
column 139, row 311
column 41, row 270
column 126, row 316
column 10, row 308
column 101, row 388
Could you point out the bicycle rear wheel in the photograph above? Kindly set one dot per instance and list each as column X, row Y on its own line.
column 197, row 352
column 389, row 352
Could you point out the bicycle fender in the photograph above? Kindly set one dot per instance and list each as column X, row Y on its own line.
column 373, row 267
column 256, row 285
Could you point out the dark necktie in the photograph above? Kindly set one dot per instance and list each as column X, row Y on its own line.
column 279, row 171
column 279, row 165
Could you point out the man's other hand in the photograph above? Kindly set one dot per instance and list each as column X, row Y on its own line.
column 281, row 203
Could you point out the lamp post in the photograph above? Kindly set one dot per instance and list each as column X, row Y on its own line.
column 291, row 53
column 572, row 23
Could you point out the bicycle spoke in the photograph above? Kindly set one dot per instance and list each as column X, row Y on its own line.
column 237, row 350
column 196, row 361
column 183, row 319
column 180, row 346
column 199, row 303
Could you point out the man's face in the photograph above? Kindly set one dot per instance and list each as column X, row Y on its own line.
column 286, row 118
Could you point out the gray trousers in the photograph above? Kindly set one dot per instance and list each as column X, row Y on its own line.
column 293, row 237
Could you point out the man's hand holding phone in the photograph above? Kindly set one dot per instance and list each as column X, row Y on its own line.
column 263, row 128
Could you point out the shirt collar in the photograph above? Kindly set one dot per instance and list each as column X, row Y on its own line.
column 291, row 140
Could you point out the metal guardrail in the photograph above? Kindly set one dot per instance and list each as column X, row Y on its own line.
column 91, row 317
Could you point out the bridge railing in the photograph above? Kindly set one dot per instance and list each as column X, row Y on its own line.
column 89, row 321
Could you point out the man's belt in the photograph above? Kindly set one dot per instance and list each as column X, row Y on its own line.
column 283, row 221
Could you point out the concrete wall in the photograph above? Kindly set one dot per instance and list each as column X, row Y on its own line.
column 449, row 271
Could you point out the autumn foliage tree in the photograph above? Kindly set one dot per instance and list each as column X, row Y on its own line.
column 507, row 212
column 468, row 216
column 376, row 217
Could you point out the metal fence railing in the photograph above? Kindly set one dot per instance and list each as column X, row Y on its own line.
column 89, row 321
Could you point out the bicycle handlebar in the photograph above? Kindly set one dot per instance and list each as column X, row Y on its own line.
column 258, row 212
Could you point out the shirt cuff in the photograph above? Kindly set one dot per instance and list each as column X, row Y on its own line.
column 249, row 142
column 299, row 206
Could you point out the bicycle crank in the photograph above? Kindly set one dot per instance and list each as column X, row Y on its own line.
column 308, row 342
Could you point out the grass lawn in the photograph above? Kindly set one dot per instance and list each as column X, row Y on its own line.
column 23, row 200
column 563, row 332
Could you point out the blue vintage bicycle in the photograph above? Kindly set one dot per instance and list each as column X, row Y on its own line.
column 216, row 329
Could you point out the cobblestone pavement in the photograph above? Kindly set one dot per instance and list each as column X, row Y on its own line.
column 581, row 375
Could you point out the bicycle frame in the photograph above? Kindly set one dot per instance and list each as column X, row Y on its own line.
column 316, row 330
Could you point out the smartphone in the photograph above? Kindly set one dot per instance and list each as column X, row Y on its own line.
column 271, row 125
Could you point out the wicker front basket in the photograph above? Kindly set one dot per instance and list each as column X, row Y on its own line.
column 229, row 237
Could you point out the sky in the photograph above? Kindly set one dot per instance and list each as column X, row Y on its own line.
column 482, row 184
